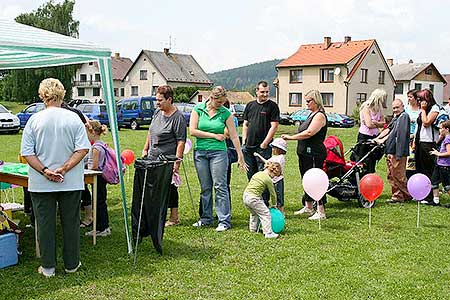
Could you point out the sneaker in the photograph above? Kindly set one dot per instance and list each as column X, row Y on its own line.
column 74, row 269
column 317, row 216
column 47, row 272
column 199, row 223
column 304, row 211
column 271, row 235
column 432, row 203
column 221, row 228
column 105, row 232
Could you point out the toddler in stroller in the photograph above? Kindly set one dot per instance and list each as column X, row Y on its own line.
column 345, row 175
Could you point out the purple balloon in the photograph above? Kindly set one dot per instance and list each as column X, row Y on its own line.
column 419, row 186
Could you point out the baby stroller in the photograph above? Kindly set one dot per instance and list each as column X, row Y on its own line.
column 345, row 175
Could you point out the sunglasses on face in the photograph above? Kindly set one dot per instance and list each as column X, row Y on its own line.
column 308, row 101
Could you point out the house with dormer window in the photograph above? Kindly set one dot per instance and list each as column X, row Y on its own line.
column 345, row 73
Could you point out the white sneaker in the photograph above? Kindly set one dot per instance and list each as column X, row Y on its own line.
column 304, row 211
column 105, row 232
column 199, row 223
column 47, row 272
column 317, row 216
column 74, row 269
column 271, row 235
column 221, row 228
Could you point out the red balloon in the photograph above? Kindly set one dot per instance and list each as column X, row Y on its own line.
column 127, row 156
column 371, row 186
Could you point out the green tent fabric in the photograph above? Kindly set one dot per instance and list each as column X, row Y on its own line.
column 23, row 46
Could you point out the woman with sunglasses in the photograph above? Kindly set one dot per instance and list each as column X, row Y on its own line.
column 426, row 137
column 310, row 149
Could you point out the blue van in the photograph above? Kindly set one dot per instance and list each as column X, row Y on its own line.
column 99, row 112
column 137, row 111
column 30, row 110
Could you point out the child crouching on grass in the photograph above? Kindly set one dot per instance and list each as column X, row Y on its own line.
column 441, row 173
column 96, row 162
column 254, row 202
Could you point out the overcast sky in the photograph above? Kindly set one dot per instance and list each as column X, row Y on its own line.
column 227, row 34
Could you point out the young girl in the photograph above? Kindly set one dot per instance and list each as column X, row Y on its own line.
column 254, row 202
column 97, row 161
column 441, row 172
column 279, row 149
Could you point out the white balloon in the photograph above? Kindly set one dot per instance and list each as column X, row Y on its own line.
column 315, row 183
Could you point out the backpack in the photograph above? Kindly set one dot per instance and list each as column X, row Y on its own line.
column 109, row 168
column 441, row 117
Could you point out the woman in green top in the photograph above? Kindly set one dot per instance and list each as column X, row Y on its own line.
column 208, row 122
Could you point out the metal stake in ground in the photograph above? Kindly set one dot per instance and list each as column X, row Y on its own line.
column 140, row 219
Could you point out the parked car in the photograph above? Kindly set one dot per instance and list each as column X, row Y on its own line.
column 339, row 120
column 238, row 111
column 300, row 116
column 99, row 112
column 185, row 109
column 8, row 121
column 76, row 102
column 137, row 111
column 31, row 109
column 285, row 119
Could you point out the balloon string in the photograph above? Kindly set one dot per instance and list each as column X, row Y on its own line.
column 418, row 213
column 370, row 217
column 319, row 224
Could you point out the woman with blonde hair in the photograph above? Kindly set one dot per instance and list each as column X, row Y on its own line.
column 371, row 116
column 208, row 122
column 310, row 149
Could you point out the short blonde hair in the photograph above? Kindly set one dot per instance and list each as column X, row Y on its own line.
column 273, row 167
column 218, row 92
column 376, row 100
column 316, row 96
column 97, row 128
column 51, row 90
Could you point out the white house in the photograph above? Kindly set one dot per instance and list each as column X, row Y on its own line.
column 152, row 69
column 87, row 82
column 417, row 76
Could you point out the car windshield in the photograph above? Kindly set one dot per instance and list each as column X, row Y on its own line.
column 103, row 108
column 3, row 109
column 87, row 108
column 239, row 108
column 146, row 105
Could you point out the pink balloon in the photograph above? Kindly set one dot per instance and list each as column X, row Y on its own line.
column 315, row 183
column 187, row 146
column 419, row 186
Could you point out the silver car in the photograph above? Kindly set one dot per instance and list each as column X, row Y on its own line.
column 8, row 121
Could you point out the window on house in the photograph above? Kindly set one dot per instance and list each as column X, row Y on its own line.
column 134, row 90
column 96, row 92
column 364, row 75
column 81, row 92
column 326, row 75
column 381, row 75
column 417, row 86
column 91, row 63
column 200, row 98
column 143, row 74
column 97, row 77
column 83, row 77
column 116, row 92
column 122, row 92
column 361, row 97
column 327, row 99
column 295, row 76
column 432, row 88
column 429, row 71
column 295, row 99
column 398, row 88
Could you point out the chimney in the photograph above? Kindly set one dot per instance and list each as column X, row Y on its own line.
column 166, row 51
column 390, row 62
column 411, row 61
column 347, row 39
column 117, row 55
column 326, row 42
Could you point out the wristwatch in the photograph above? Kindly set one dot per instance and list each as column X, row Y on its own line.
column 43, row 170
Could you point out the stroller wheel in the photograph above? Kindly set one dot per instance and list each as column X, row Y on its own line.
column 363, row 202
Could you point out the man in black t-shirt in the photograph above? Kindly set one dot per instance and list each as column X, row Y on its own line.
column 261, row 119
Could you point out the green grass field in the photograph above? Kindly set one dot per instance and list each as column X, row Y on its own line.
column 344, row 260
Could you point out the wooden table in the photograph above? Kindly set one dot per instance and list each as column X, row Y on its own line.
column 90, row 177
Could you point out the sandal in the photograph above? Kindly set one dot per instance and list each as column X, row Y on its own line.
column 172, row 223
column 84, row 225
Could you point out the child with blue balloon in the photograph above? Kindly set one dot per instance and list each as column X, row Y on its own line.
column 441, row 173
column 254, row 202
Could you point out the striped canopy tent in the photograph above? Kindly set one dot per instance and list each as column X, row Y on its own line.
column 24, row 47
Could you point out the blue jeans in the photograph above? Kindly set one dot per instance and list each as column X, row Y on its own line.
column 211, row 166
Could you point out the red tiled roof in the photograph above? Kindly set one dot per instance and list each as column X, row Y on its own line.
column 120, row 67
column 446, row 87
column 316, row 54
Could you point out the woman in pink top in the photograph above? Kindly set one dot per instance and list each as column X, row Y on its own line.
column 371, row 115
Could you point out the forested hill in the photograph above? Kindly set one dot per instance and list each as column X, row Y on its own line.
column 245, row 78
